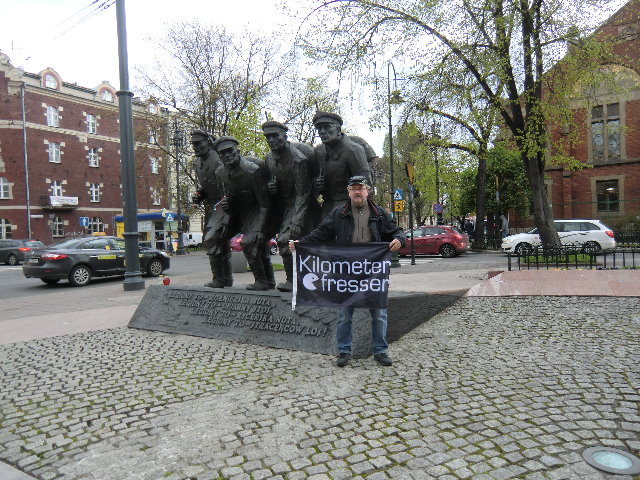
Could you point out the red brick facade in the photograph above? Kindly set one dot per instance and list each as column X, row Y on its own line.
column 609, row 189
column 74, row 168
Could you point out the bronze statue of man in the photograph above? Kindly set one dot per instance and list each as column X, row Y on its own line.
column 294, row 208
column 246, row 204
column 338, row 158
column 206, row 164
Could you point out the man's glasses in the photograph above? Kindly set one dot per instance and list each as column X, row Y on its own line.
column 357, row 189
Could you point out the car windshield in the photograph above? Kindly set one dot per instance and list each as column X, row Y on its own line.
column 34, row 244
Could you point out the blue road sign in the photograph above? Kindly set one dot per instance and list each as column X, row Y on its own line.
column 84, row 221
column 438, row 208
column 397, row 194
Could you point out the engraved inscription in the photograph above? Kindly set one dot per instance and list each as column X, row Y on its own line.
column 244, row 312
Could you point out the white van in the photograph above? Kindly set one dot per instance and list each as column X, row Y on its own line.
column 193, row 239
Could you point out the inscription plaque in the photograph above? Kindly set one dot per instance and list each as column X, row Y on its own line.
column 265, row 318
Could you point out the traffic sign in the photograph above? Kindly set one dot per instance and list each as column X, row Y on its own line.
column 397, row 194
column 84, row 221
column 398, row 205
column 169, row 217
column 438, row 208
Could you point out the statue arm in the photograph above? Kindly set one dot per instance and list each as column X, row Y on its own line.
column 358, row 162
column 303, row 196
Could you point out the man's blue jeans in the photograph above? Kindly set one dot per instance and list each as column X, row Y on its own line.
column 378, row 330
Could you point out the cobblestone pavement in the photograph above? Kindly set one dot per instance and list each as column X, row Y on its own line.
column 491, row 388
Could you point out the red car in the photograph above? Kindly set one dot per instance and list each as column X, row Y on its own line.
column 436, row 240
column 234, row 243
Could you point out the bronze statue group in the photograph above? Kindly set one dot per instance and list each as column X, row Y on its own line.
column 278, row 196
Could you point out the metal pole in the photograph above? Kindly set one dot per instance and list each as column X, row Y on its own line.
column 26, row 160
column 395, row 262
column 435, row 160
column 133, row 277
column 413, row 250
column 177, row 138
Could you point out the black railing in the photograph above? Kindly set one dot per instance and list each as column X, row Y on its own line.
column 574, row 257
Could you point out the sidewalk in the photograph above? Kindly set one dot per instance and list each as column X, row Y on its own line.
column 494, row 387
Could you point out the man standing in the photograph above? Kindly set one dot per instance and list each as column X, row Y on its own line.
column 359, row 220
column 294, row 209
column 206, row 164
column 246, row 202
column 338, row 159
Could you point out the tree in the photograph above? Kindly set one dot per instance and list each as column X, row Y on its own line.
column 503, row 46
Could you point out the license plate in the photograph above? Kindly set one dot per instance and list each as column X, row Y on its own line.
column 33, row 260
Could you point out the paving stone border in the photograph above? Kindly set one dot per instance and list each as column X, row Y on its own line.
column 491, row 388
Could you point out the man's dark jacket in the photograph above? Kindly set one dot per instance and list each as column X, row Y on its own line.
column 338, row 226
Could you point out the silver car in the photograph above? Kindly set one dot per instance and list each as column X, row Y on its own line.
column 592, row 235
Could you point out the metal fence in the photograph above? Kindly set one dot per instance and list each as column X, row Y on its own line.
column 575, row 257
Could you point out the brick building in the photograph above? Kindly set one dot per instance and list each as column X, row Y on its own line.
column 608, row 128
column 60, row 169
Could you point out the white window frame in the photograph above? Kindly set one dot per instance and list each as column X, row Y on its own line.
column 5, row 189
column 95, row 225
column 56, row 188
column 106, row 95
column 152, row 136
column 5, row 229
column 50, row 81
column 94, row 192
column 57, row 226
column 154, row 162
column 93, row 157
column 156, row 196
column 53, row 116
column 54, row 152
column 92, row 123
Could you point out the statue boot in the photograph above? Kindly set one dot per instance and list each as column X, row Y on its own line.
column 259, row 274
column 227, row 275
column 218, row 270
column 287, row 286
column 268, row 270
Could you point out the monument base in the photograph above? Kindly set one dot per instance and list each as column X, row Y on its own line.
column 266, row 318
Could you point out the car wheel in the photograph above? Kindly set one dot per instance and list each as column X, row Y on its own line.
column 12, row 260
column 80, row 276
column 591, row 247
column 522, row 249
column 50, row 281
column 273, row 250
column 447, row 250
column 154, row 267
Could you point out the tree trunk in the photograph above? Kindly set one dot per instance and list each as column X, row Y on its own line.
column 481, row 185
column 542, row 212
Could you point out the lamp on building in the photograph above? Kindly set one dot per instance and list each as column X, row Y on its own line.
column 177, row 140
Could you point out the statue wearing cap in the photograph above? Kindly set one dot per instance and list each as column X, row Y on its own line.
column 294, row 208
column 246, row 205
column 338, row 159
column 205, row 164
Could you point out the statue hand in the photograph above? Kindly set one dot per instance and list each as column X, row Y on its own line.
column 225, row 204
column 273, row 187
column 198, row 197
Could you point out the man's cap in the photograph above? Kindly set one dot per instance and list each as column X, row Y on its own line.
column 201, row 134
column 358, row 180
column 273, row 127
column 326, row 117
column 225, row 142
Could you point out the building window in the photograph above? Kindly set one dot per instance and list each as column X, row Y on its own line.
column 607, row 195
column 94, row 192
column 56, row 188
column 50, row 81
column 154, row 162
column 92, row 157
column 95, row 225
column 152, row 136
column 53, row 117
column 605, row 131
column 91, row 124
column 57, row 227
column 5, row 229
column 54, row 152
column 106, row 95
column 156, row 196
column 5, row 189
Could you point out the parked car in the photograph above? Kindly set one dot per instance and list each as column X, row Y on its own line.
column 234, row 243
column 436, row 240
column 591, row 235
column 13, row 251
column 80, row 259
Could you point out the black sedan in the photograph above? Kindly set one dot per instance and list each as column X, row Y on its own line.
column 80, row 259
column 13, row 252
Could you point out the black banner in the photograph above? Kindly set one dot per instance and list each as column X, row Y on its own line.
column 341, row 275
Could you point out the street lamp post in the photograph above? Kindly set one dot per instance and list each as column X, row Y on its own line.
column 178, row 137
column 395, row 261
column 435, row 135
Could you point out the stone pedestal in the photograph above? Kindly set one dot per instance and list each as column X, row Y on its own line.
column 266, row 318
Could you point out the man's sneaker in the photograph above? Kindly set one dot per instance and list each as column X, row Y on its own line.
column 343, row 359
column 383, row 359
